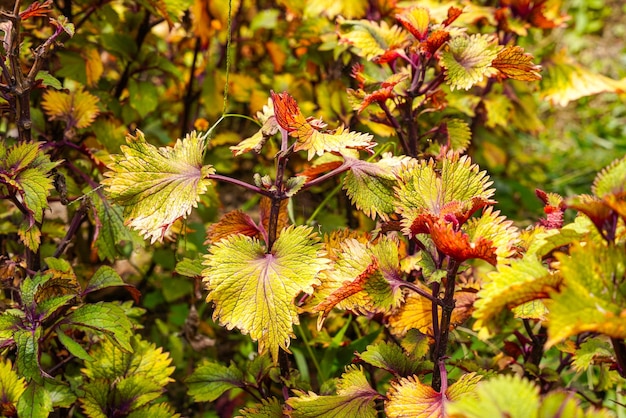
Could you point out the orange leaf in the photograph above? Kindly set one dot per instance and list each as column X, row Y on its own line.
column 78, row 108
column 453, row 14
column 457, row 244
column 512, row 62
column 234, row 222
column 434, row 41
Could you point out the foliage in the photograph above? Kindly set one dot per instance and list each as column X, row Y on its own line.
column 339, row 254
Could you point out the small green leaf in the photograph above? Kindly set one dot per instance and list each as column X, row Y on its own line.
column 467, row 59
column 157, row 186
column 72, row 346
column 391, row 357
column 502, row 396
column 355, row 399
column 210, row 380
column 112, row 231
column 105, row 277
column 189, row 267
column 27, row 342
column 103, row 317
column 590, row 350
column 255, row 291
column 144, row 97
column 268, row 408
column 10, row 321
column 35, row 402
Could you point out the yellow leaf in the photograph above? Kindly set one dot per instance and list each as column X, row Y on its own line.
column 93, row 66
column 78, row 108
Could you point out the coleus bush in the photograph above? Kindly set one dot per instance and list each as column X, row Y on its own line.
column 398, row 300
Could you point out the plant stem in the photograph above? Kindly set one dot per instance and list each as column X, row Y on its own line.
column 236, row 182
column 441, row 337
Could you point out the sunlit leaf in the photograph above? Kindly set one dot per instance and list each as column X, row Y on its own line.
column 594, row 348
column 372, row 39
column 590, row 299
column 355, row 398
column 611, row 180
column 503, row 396
column 94, row 66
column 124, row 380
column 233, row 222
column 268, row 129
column 210, row 380
column 415, row 20
column 468, row 59
column 255, row 291
column 78, row 109
column 391, row 357
column 11, row 387
column 370, row 185
column 489, row 237
column 331, row 8
column 513, row 62
column 524, row 280
column 157, row 186
column 565, row 81
column 270, row 408
column 453, row 193
column 408, row 397
column 35, row 402
column 311, row 139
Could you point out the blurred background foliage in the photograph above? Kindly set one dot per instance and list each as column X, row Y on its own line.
column 162, row 66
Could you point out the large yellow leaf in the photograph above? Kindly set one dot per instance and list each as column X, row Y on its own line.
column 157, row 186
column 255, row 291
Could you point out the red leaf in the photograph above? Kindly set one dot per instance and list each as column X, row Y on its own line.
column 453, row 14
column 38, row 8
column 434, row 41
column 457, row 245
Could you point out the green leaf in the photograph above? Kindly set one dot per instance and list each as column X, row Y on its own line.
column 60, row 394
column 408, row 397
column 391, row 357
column 268, row 408
column 524, row 280
column 590, row 300
column 210, row 380
column 590, row 350
column 112, row 232
column 370, row 185
column 255, row 291
column 355, row 399
column 72, row 346
column 103, row 317
column 35, row 402
column 189, row 267
column 49, row 306
column 611, row 180
column 159, row 410
column 124, row 381
column 452, row 193
column 27, row 342
column 10, row 321
column 144, row 97
column 11, row 385
column 48, row 80
column 467, row 60
column 157, row 186
column 106, row 277
column 372, row 39
column 503, row 396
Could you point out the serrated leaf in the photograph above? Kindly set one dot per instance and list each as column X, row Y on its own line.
column 27, row 343
column 511, row 285
column 372, row 39
column 159, row 410
column 543, row 241
column 454, row 193
column 78, row 109
column 124, row 380
column 268, row 129
column 254, row 290
column 590, row 350
column 355, row 399
column 35, row 402
column 103, row 317
column 210, row 380
column 489, row 237
column 468, row 59
column 10, row 321
column 112, row 233
column 564, row 81
column 370, row 185
column 416, row 21
column 504, row 395
column 268, row 408
column 391, row 357
column 611, row 180
column 232, row 223
column 294, row 184
column 30, row 235
column 157, row 186
column 106, row 277
column 11, row 385
column 408, row 397
column 513, row 63
column 310, row 138
column 590, row 298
